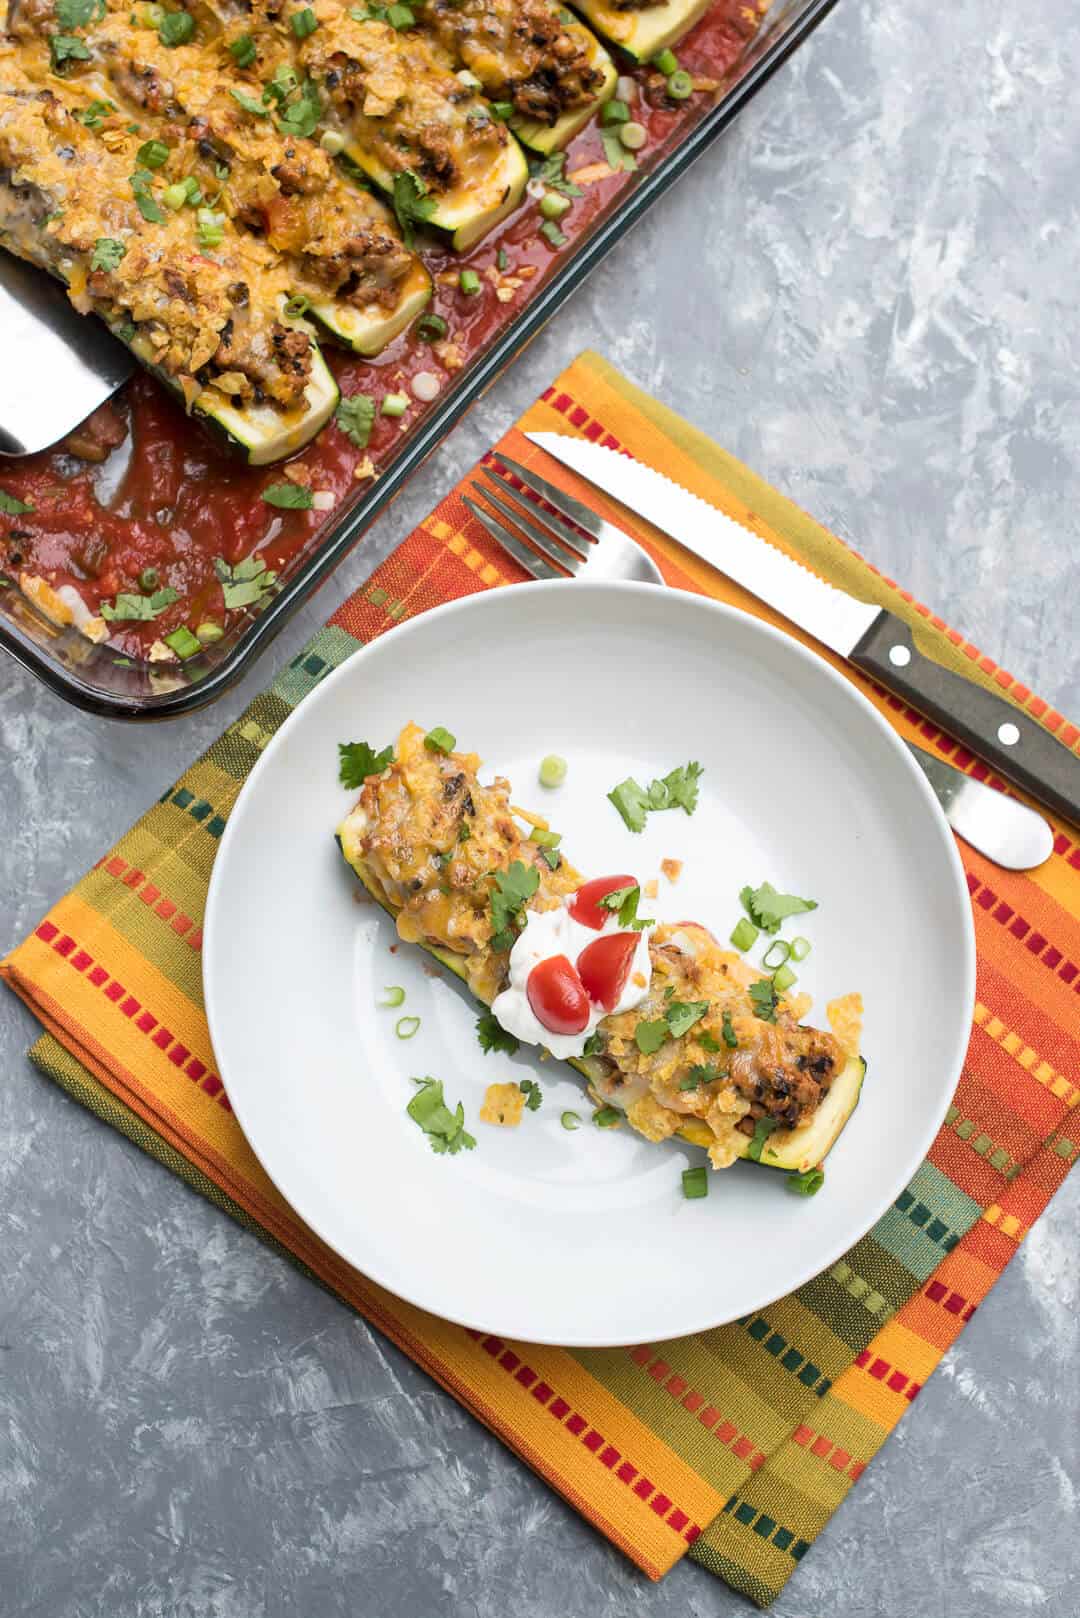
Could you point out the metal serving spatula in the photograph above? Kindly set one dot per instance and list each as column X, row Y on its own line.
column 56, row 365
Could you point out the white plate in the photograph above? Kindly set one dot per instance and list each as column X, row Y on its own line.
column 584, row 1238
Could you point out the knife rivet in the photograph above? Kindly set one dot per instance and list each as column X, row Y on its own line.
column 900, row 656
column 1008, row 734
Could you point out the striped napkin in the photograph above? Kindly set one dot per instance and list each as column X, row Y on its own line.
column 734, row 1446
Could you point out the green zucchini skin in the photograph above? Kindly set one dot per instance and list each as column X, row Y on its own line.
column 368, row 331
column 463, row 218
column 789, row 1150
column 643, row 34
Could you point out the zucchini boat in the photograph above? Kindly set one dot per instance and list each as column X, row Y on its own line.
column 727, row 1069
column 210, row 326
column 532, row 59
column 643, row 31
column 429, row 141
column 368, row 328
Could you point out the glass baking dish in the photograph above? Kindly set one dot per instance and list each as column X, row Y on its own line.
column 95, row 678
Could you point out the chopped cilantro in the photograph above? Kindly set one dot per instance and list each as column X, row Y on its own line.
column 464, row 832
column 649, row 1036
column 141, row 182
column 288, row 496
column 512, row 889
column 176, row 28
column 12, row 505
column 762, row 1130
column 131, row 608
column 249, row 104
column 698, row 1075
column 66, row 48
column 91, row 116
column 625, row 902
column 707, row 1042
column 107, row 253
column 676, row 790
column 444, row 1129
column 242, row 50
column 551, row 858
column 355, row 415
column 246, row 583
column 550, row 171
column 532, row 1093
column 681, row 1015
column 493, row 1037
column 595, row 1044
column 302, row 115
column 631, row 803
column 767, row 908
column 412, row 204
column 440, row 740
column 763, row 996
column 357, row 760
column 731, row 1039
column 72, row 14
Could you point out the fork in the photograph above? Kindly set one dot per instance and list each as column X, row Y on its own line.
column 555, row 551
column 1007, row 832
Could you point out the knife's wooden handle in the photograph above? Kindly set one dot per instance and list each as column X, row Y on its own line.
column 1003, row 735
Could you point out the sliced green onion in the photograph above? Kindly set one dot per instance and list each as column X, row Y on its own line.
column 503, row 109
column 762, row 1130
column 744, row 934
column 149, row 578
column 332, row 142
column 209, row 632
column 152, row 154
column 808, row 1183
column 440, row 740
column 606, row 1117
column 395, row 404
column 395, row 995
column 429, row 328
column 193, row 189
column 633, row 136
column 551, row 233
column 175, row 196
column 406, row 1027
column 400, row 16
column 571, row 1120
column 469, row 282
column 695, row 1183
column 242, row 50
column 297, row 305
column 553, row 206
column 502, row 259
column 552, row 771
column 680, row 86
column 183, row 642
column 800, row 948
column 305, row 22
column 783, row 979
column 614, row 112
column 546, row 839
column 784, row 950
column 667, row 62
column 210, row 231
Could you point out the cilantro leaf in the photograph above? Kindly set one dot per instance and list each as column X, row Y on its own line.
column 698, row 1075
column 631, row 802
column 512, row 889
column 762, row 1130
column 249, row 104
column 132, row 608
column 288, row 496
column 176, row 28
column 681, row 1015
column 107, row 253
column 625, row 902
column 12, row 505
column 682, row 787
column 532, row 1093
column 411, row 203
column 731, row 1039
column 141, row 182
column 444, row 1129
column 493, row 1037
column 355, row 415
column 767, row 908
column 649, row 1036
column 550, row 171
column 66, row 48
column 246, row 583
column 707, row 1042
column 440, row 740
column 763, row 996
column 357, row 760
column 301, row 116
column 72, row 14
column 595, row 1045
column 91, row 117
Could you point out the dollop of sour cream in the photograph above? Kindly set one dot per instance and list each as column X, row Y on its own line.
column 555, row 932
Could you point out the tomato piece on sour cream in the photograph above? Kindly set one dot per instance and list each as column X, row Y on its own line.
column 557, row 996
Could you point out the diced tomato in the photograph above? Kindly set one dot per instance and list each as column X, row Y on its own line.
column 604, row 966
column 557, row 996
column 585, row 906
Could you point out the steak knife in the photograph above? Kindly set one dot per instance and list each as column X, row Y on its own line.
column 873, row 639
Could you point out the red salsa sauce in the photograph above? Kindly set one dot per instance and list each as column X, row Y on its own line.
column 166, row 497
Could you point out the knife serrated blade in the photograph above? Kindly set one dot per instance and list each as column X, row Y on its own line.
column 870, row 637
column 831, row 616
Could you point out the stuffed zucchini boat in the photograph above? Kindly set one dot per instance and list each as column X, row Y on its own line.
column 543, row 71
column 643, row 30
column 209, row 321
column 428, row 140
column 680, row 1035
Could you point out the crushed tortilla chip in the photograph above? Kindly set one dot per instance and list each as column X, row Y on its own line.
column 652, row 1120
column 845, row 1019
column 672, row 869
column 503, row 1104
column 652, row 888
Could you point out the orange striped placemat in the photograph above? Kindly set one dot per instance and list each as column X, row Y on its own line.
column 735, row 1445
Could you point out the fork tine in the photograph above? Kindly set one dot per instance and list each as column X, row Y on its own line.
column 538, row 566
column 565, row 503
column 568, row 537
column 539, row 535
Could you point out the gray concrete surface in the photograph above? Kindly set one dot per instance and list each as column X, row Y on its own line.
column 879, row 312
